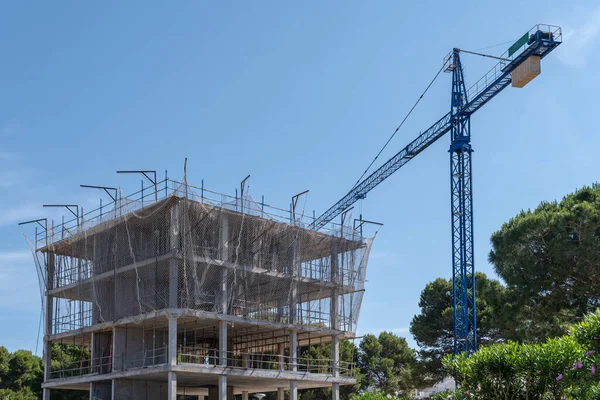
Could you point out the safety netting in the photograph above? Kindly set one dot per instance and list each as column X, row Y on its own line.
column 183, row 247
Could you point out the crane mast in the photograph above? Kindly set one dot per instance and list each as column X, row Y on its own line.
column 463, row 266
column 519, row 65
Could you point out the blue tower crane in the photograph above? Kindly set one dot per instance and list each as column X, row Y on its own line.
column 519, row 64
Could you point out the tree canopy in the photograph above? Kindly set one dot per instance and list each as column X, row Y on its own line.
column 386, row 363
column 433, row 328
column 550, row 261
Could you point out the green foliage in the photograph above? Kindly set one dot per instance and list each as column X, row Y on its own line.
column 433, row 328
column 376, row 396
column 550, row 261
column 386, row 363
column 560, row 368
column 21, row 375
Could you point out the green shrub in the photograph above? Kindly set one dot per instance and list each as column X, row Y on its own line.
column 559, row 368
column 376, row 396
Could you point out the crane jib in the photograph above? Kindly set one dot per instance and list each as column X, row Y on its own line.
column 422, row 141
column 492, row 83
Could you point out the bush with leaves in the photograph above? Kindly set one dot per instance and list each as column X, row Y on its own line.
column 560, row 368
column 377, row 396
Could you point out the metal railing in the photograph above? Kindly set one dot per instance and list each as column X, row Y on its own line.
column 167, row 187
column 107, row 364
column 264, row 361
column 142, row 359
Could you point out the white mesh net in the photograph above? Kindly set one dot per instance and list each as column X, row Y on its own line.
column 178, row 247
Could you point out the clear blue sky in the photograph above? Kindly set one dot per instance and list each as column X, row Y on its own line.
column 300, row 95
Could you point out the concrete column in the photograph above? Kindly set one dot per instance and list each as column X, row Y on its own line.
column 335, row 366
column 280, row 393
column 294, row 272
column 223, row 343
column 172, row 383
column 223, row 256
column 244, row 395
column 335, row 356
column 173, row 262
column 333, row 315
column 172, row 350
column 47, row 355
column 223, row 387
column 114, row 348
column 335, row 391
column 281, row 356
column 294, row 350
column 293, row 390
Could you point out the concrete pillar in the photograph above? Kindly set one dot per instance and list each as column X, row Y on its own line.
column 294, row 350
column 244, row 395
column 173, row 262
column 280, row 393
column 172, row 350
column 91, row 391
column 172, row 383
column 335, row 356
column 47, row 355
column 333, row 315
column 335, row 366
column 294, row 272
column 293, row 390
column 335, row 391
column 281, row 356
column 224, row 256
column 223, row 387
column 223, row 343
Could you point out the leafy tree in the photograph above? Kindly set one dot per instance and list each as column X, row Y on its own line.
column 4, row 367
column 433, row 328
column 560, row 368
column 550, row 261
column 386, row 363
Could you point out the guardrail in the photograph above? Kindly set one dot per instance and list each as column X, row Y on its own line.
column 264, row 361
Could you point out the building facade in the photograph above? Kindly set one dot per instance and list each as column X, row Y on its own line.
column 185, row 292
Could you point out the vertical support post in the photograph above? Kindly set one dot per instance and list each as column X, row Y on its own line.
column 281, row 356
column 294, row 350
column 223, row 359
column 115, row 355
column 224, row 256
column 175, row 229
column 280, row 393
column 172, row 341
column 294, row 273
column 223, row 343
column 48, row 328
column 335, row 366
column 223, row 387
column 293, row 390
column 244, row 395
column 172, row 378
column 463, row 268
column 333, row 315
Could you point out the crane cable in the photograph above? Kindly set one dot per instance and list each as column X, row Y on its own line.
column 399, row 126
column 417, row 102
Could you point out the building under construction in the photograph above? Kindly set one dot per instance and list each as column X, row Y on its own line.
column 177, row 290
